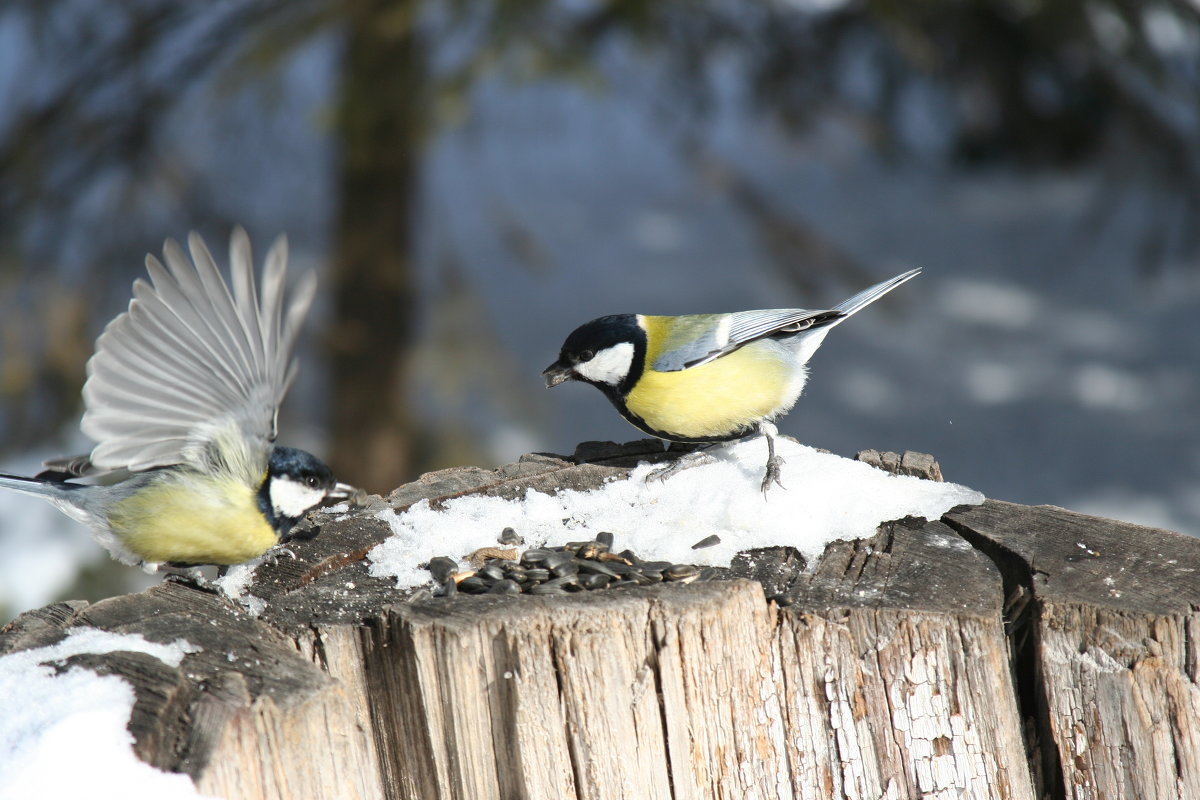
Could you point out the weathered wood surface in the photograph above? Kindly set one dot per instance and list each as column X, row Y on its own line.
column 1108, row 620
column 986, row 655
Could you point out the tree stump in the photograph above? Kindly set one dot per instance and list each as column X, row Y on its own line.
column 1003, row 651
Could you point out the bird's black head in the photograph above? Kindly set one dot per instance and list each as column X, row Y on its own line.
column 296, row 482
column 609, row 352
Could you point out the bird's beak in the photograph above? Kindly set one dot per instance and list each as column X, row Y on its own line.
column 556, row 373
column 340, row 491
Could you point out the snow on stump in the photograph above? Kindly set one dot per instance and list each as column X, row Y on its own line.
column 740, row 648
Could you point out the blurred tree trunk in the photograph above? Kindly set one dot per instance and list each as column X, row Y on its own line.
column 382, row 123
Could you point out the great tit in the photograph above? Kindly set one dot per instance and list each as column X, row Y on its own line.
column 182, row 398
column 705, row 377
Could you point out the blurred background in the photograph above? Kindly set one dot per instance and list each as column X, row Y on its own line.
column 472, row 179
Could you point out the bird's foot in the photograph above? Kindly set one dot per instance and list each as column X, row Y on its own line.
column 773, row 474
column 684, row 462
column 273, row 555
column 178, row 573
column 774, row 462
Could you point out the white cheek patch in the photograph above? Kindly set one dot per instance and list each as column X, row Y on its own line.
column 610, row 365
column 291, row 498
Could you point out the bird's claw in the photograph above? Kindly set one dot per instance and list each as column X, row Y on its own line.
column 773, row 474
column 275, row 553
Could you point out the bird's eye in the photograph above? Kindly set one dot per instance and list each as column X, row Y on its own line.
column 586, row 355
column 313, row 482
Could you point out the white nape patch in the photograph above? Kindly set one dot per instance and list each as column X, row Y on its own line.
column 610, row 365
column 292, row 498
column 79, row 712
column 827, row 498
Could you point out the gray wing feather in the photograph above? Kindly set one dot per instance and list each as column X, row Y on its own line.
column 699, row 339
column 192, row 359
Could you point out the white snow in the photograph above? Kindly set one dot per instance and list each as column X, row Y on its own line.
column 827, row 498
column 64, row 735
column 236, row 581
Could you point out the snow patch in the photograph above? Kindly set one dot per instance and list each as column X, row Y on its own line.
column 80, row 714
column 827, row 498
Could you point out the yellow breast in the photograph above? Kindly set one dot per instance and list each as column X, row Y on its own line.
column 193, row 520
column 718, row 399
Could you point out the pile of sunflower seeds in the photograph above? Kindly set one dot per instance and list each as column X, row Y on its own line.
column 573, row 567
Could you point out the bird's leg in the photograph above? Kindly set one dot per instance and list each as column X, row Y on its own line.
column 774, row 462
column 700, row 455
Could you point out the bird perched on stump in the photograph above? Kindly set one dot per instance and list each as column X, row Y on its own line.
column 182, row 398
column 705, row 378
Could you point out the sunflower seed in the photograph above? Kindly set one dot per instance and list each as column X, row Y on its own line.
column 681, row 572
column 597, row 568
column 473, row 585
column 594, row 581
column 535, row 556
column 441, row 568
column 556, row 559
column 493, row 571
column 588, row 550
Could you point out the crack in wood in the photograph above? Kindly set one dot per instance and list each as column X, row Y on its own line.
column 1021, row 622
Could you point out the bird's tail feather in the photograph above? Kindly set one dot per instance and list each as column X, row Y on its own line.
column 50, row 490
column 868, row 296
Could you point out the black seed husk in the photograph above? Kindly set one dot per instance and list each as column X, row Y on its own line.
column 556, row 559
column 589, row 550
column 594, row 580
column 681, row 572
column 441, row 568
column 493, row 571
column 535, row 555
column 596, row 568
column 473, row 585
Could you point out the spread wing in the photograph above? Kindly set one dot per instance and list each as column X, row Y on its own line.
column 701, row 339
column 191, row 362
